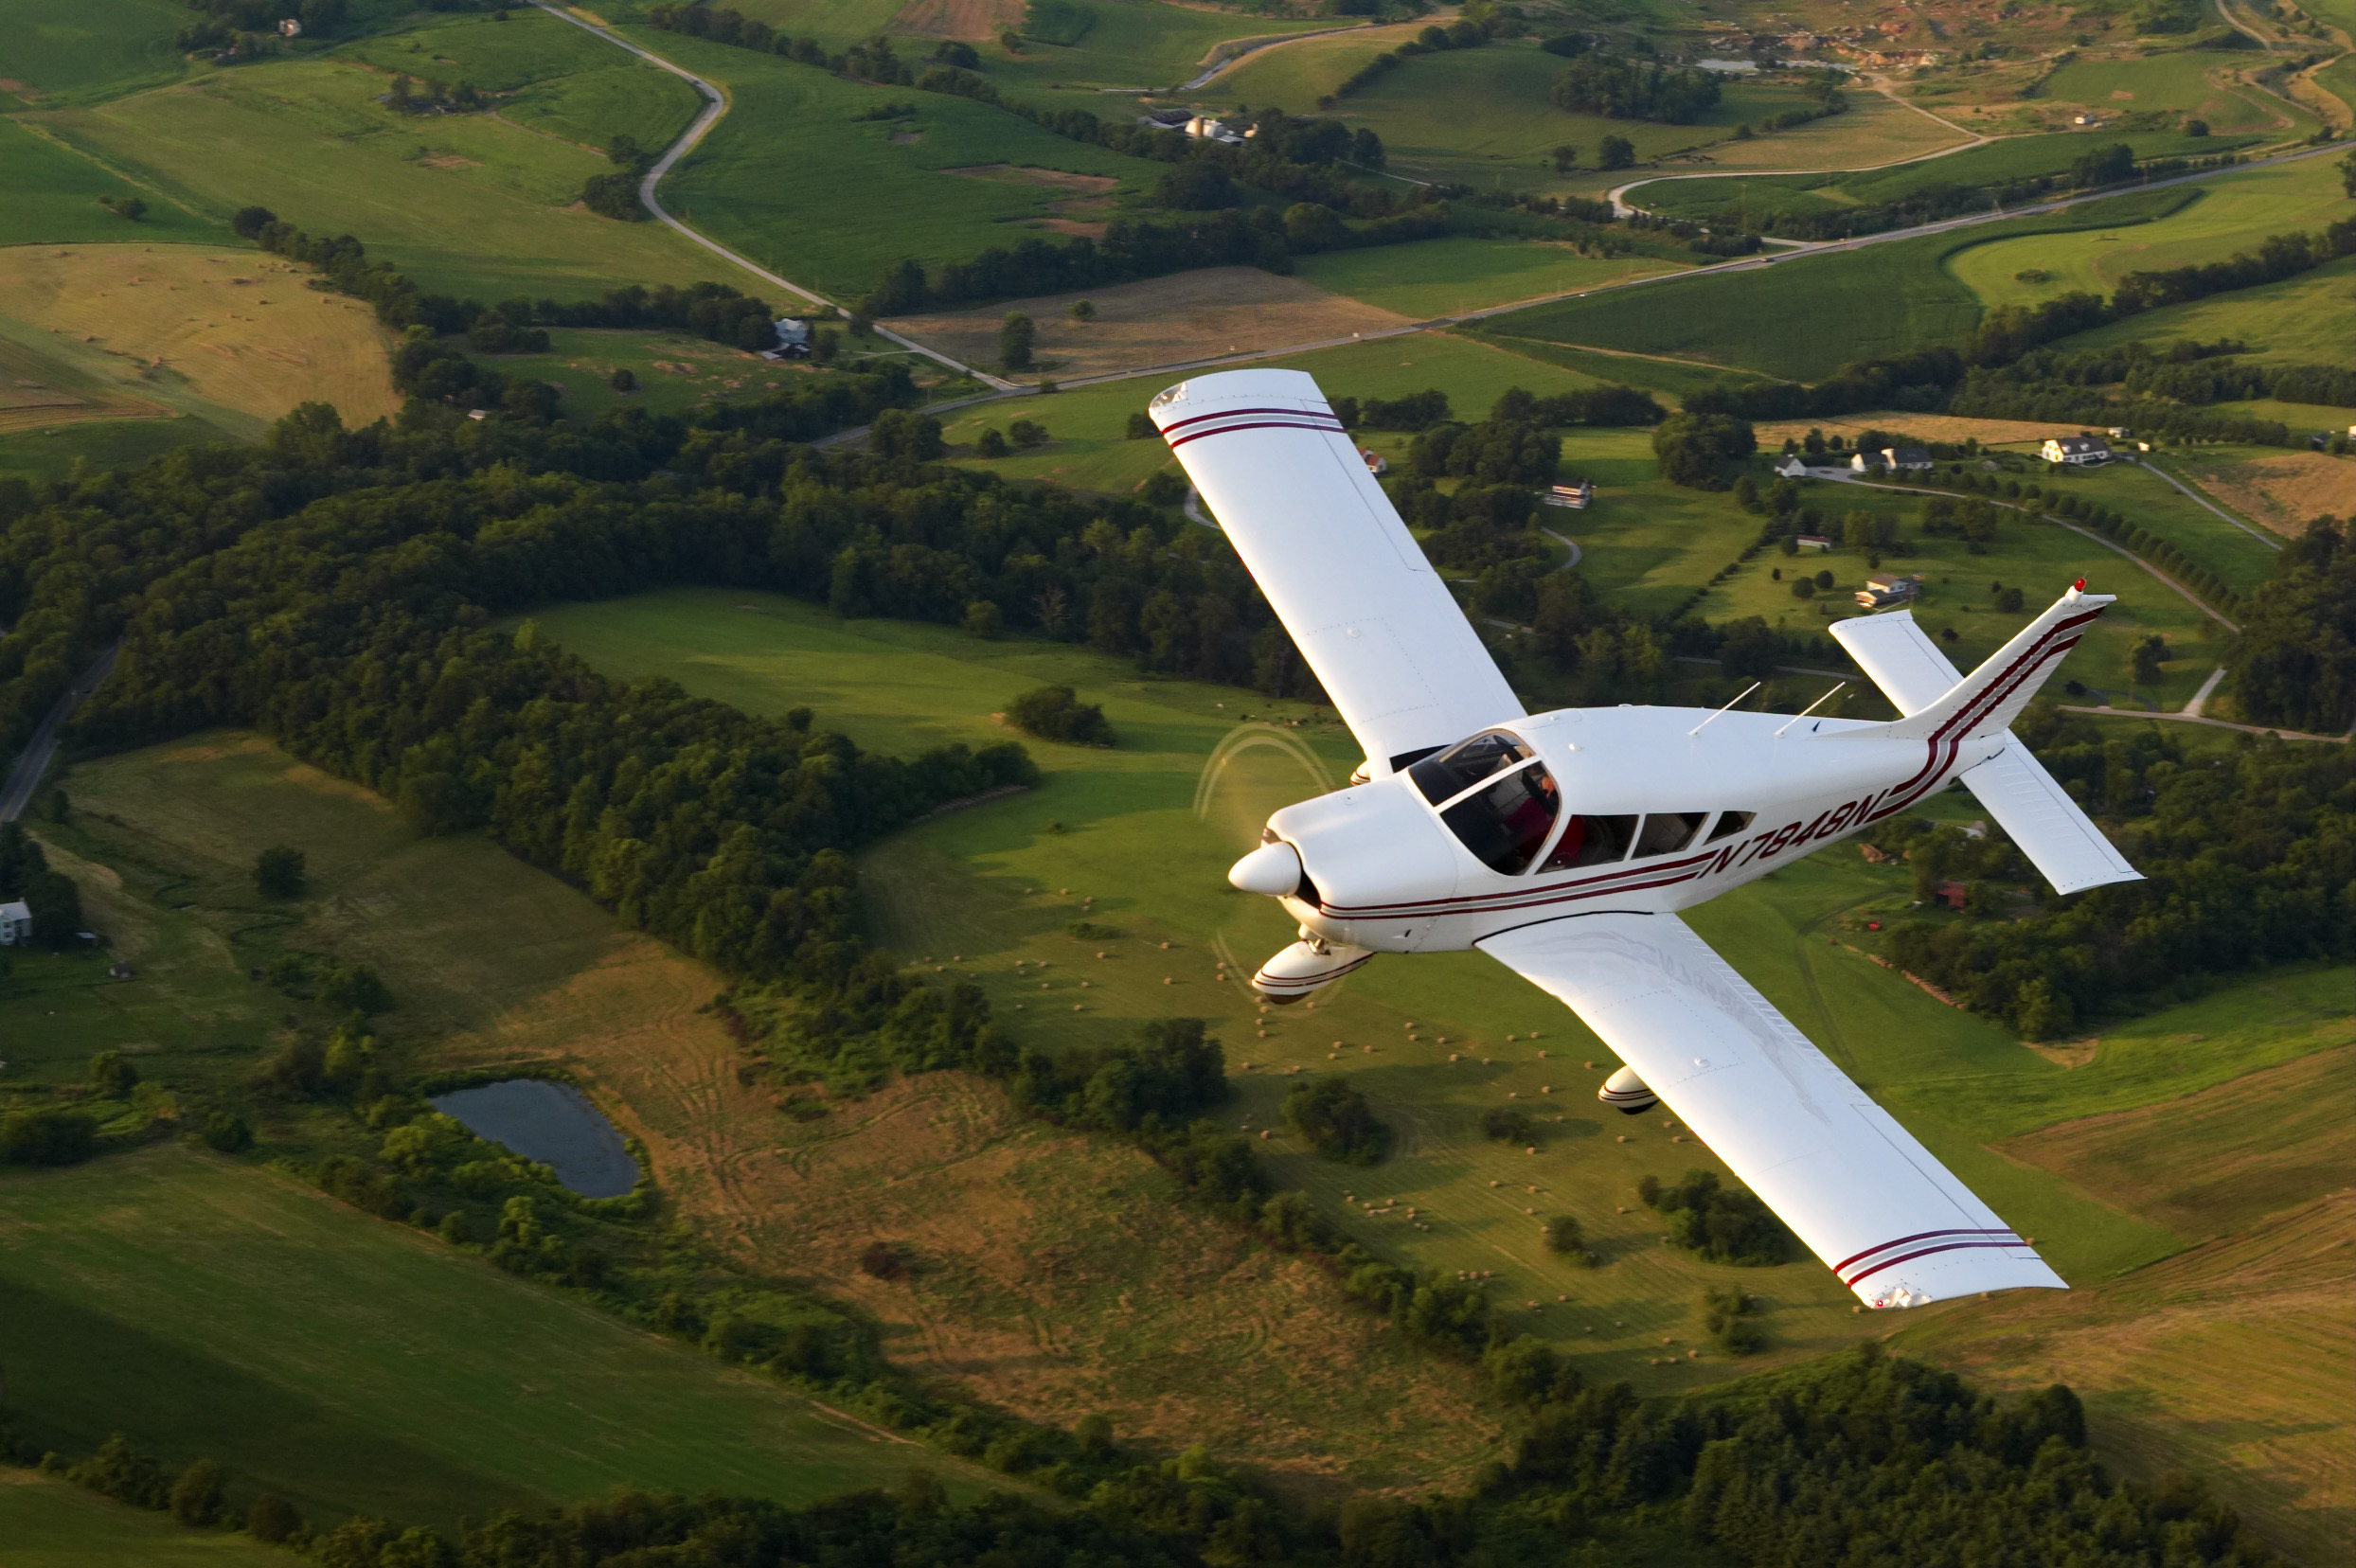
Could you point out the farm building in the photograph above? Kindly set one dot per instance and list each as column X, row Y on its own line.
column 2076, row 450
column 291, row 29
column 792, row 340
column 1204, row 128
column 1376, row 463
column 1167, row 120
column 16, row 923
column 1812, row 542
column 1904, row 459
column 1793, row 467
column 1867, row 462
column 1884, row 589
column 1574, row 497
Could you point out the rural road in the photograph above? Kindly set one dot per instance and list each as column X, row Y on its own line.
column 2195, row 495
column 34, row 760
column 1212, row 72
column 715, row 105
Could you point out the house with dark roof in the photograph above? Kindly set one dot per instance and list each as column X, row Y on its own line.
column 2076, row 450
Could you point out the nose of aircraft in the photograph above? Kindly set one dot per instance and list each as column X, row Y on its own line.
column 1272, row 869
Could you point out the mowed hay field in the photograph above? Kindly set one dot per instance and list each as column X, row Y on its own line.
column 234, row 327
column 2283, row 491
column 354, row 1365
column 51, row 1523
column 1192, row 315
column 1060, row 1275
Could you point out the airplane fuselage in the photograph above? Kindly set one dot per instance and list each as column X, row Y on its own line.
column 1646, row 817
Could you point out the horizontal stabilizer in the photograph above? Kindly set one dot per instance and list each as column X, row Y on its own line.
column 2059, row 839
column 1899, row 657
column 1986, row 702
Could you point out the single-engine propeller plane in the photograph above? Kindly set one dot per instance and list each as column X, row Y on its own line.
column 1562, row 845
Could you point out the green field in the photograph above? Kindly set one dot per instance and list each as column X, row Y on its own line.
column 51, row 454
column 1801, row 318
column 2233, row 212
column 1480, row 116
column 987, row 884
column 357, row 1366
column 462, row 202
column 2180, row 80
column 1758, row 197
column 551, row 75
column 2038, row 558
column 1133, row 43
column 49, row 195
column 58, row 52
column 2309, row 319
column 1091, row 449
column 857, row 195
column 55, row 1523
column 1437, row 277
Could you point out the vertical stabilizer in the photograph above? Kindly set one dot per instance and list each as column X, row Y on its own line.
column 1986, row 702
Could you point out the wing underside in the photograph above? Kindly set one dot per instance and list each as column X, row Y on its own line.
column 1375, row 622
column 1855, row 1186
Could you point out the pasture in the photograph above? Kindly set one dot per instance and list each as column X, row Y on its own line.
column 1440, row 278
column 58, row 52
column 1798, row 319
column 2232, row 212
column 2038, row 558
column 462, row 202
column 1136, row 43
column 1756, row 198
column 2309, row 319
column 54, row 1523
column 675, row 371
column 2200, row 84
column 49, row 451
column 548, row 75
column 49, row 195
column 1190, row 781
column 908, row 182
column 1091, row 449
column 492, row 961
column 232, row 335
column 353, row 1365
column 2166, row 1353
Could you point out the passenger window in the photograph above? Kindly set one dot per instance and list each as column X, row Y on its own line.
column 1666, row 832
column 1592, row 841
column 1466, row 763
column 1506, row 824
column 1729, row 825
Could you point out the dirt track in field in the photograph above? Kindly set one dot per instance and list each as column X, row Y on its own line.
column 1162, row 320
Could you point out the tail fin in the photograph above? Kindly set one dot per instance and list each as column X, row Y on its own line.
column 1986, row 700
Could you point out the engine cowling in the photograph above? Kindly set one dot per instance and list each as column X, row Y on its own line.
column 1627, row 1093
column 1307, row 968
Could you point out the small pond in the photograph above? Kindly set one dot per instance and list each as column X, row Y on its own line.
column 553, row 1123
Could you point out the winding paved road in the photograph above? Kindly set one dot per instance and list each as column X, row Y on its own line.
column 24, row 776
column 715, row 105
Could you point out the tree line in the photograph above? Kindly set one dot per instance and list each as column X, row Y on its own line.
column 712, row 310
column 2246, row 848
column 1861, row 1457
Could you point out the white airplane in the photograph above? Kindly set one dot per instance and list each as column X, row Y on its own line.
column 1564, row 843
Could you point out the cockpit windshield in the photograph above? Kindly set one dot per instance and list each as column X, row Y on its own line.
column 1449, row 774
column 1506, row 824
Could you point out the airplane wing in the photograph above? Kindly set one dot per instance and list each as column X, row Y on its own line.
column 1318, row 535
column 1884, row 1216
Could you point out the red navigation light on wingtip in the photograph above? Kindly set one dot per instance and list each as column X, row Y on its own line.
column 2080, row 585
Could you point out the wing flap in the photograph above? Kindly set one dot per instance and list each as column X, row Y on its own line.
column 1855, row 1186
column 1368, row 613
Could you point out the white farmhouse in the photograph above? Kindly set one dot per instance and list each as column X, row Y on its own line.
column 16, row 923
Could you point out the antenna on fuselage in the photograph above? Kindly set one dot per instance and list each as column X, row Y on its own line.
column 1739, row 696
column 1811, row 709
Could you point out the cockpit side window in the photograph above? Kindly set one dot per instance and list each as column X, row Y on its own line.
column 1592, row 841
column 1506, row 824
column 1666, row 832
column 1461, row 766
column 1729, row 824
